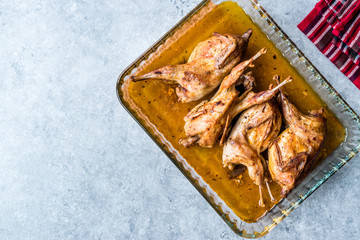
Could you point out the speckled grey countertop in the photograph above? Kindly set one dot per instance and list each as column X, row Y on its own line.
column 74, row 164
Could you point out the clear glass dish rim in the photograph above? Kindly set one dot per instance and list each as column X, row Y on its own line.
column 185, row 172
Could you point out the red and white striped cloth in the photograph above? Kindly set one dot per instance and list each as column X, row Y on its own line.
column 334, row 27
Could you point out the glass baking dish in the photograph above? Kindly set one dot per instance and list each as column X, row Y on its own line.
column 333, row 162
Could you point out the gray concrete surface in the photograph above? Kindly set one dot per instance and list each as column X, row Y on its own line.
column 74, row 164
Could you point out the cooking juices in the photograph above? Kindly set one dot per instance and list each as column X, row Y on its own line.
column 157, row 101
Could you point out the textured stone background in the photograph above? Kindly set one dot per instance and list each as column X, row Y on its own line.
column 74, row 165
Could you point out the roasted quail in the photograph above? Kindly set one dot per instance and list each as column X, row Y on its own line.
column 297, row 146
column 255, row 129
column 209, row 63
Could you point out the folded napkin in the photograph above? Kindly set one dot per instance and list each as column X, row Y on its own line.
column 334, row 27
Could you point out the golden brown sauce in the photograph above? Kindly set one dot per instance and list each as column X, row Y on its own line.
column 159, row 103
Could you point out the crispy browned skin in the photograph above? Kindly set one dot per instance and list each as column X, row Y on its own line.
column 297, row 146
column 264, row 125
column 209, row 120
column 205, row 123
column 209, row 63
column 256, row 128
